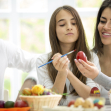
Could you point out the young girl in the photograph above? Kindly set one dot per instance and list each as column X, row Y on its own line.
column 66, row 33
column 103, row 50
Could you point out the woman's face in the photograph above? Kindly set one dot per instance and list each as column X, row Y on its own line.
column 104, row 26
column 66, row 27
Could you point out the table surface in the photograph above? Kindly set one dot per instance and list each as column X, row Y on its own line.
column 107, row 107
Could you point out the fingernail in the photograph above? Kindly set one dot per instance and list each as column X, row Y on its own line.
column 79, row 60
column 75, row 60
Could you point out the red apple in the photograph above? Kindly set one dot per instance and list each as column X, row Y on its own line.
column 81, row 55
column 20, row 103
column 71, row 103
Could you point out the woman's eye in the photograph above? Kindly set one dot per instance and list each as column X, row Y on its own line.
column 102, row 21
column 62, row 25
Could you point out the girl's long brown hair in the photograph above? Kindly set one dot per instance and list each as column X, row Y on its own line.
column 79, row 45
column 98, row 45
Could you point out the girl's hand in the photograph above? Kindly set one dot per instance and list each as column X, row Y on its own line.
column 87, row 69
column 60, row 64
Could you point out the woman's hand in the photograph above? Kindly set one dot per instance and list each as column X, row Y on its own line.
column 60, row 64
column 88, row 69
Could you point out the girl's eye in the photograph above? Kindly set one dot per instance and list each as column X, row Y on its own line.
column 62, row 25
column 102, row 21
column 73, row 23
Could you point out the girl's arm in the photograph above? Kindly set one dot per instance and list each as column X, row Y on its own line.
column 61, row 65
column 44, row 78
column 82, row 89
column 59, row 83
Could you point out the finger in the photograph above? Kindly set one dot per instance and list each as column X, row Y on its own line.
column 57, row 54
column 62, row 61
column 66, row 64
column 88, row 67
column 81, row 68
column 90, row 63
column 56, row 59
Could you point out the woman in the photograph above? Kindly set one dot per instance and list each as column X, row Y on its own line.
column 103, row 50
column 66, row 33
column 14, row 57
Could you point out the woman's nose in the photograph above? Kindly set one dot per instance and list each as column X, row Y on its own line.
column 107, row 25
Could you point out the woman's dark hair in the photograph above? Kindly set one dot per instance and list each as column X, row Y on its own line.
column 79, row 45
column 98, row 45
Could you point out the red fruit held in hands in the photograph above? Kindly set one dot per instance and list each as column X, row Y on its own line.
column 20, row 103
column 81, row 55
column 71, row 103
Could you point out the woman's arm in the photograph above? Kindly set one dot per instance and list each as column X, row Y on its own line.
column 90, row 70
column 103, row 80
column 18, row 58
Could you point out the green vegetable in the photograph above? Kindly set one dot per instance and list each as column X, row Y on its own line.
column 9, row 104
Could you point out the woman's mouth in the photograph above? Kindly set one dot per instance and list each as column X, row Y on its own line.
column 106, row 34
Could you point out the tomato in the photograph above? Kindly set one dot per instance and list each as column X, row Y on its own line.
column 20, row 103
column 81, row 55
column 71, row 103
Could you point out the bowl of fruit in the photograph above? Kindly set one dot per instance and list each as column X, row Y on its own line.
column 39, row 96
column 19, row 105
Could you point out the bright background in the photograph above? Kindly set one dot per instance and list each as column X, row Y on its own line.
column 26, row 23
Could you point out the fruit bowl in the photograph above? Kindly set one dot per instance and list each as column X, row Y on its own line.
column 36, row 102
column 15, row 109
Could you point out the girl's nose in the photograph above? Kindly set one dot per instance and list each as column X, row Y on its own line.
column 69, row 27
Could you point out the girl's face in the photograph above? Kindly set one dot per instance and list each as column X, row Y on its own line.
column 104, row 26
column 66, row 27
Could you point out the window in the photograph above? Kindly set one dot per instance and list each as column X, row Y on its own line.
column 26, row 23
